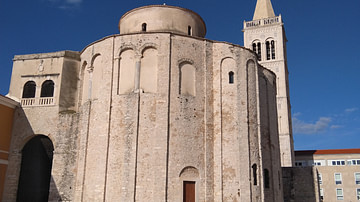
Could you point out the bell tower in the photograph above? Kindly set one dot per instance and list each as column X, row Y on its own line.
column 265, row 35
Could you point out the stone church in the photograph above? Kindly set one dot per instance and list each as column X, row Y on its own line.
column 154, row 113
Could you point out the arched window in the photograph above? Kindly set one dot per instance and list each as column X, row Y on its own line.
column 272, row 43
column 189, row 31
column 29, row 89
column 47, row 89
column 266, row 178
column 254, row 47
column 267, row 50
column 143, row 27
column 259, row 50
column 254, row 169
column 231, row 77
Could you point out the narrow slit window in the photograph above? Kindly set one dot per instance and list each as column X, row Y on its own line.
column 254, row 168
column 143, row 27
column 189, row 31
column 231, row 77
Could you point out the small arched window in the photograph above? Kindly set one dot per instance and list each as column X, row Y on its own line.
column 272, row 43
column 231, row 77
column 254, row 47
column 29, row 89
column 47, row 89
column 267, row 50
column 143, row 27
column 266, row 178
column 254, row 169
column 189, row 31
column 259, row 50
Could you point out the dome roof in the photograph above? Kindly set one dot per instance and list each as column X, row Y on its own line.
column 162, row 18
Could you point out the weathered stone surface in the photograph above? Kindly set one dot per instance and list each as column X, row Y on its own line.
column 121, row 135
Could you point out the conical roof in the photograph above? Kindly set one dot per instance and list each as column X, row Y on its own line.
column 263, row 10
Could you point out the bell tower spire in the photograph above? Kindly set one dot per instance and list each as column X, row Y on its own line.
column 263, row 10
column 265, row 35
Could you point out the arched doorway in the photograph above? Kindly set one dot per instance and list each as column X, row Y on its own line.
column 35, row 172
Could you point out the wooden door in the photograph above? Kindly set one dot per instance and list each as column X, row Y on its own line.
column 189, row 191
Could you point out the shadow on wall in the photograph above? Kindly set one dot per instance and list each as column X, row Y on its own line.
column 300, row 184
column 30, row 163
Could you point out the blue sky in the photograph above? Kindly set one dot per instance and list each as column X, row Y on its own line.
column 323, row 54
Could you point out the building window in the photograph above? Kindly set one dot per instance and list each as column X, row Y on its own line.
column 339, row 194
column 270, row 50
column 143, row 27
column 189, row 31
column 317, row 163
column 300, row 163
column 266, row 178
column 29, row 89
column 267, row 50
column 338, row 162
column 320, row 178
column 256, row 47
column 47, row 89
column 338, row 178
column 358, row 194
column 353, row 162
column 272, row 43
column 259, row 50
column 321, row 193
column 231, row 77
column 254, row 169
column 357, row 178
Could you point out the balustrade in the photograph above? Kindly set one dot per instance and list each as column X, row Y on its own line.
column 267, row 21
column 42, row 101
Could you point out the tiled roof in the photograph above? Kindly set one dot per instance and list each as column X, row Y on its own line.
column 327, row 151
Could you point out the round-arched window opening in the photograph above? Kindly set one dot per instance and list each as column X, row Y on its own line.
column 231, row 77
column 29, row 89
column 47, row 89
column 143, row 27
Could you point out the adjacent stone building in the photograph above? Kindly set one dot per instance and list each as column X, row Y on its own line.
column 155, row 113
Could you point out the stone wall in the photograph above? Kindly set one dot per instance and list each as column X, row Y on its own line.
column 300, row 184
column 152, row 110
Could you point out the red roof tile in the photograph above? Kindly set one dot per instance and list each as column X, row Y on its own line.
column 328, row 151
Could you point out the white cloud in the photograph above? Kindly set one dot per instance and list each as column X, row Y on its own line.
column 336, row 126
column 351, row 109
column 319, row 126
column 73, row 1
column 66, row 4
column 296, row 114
